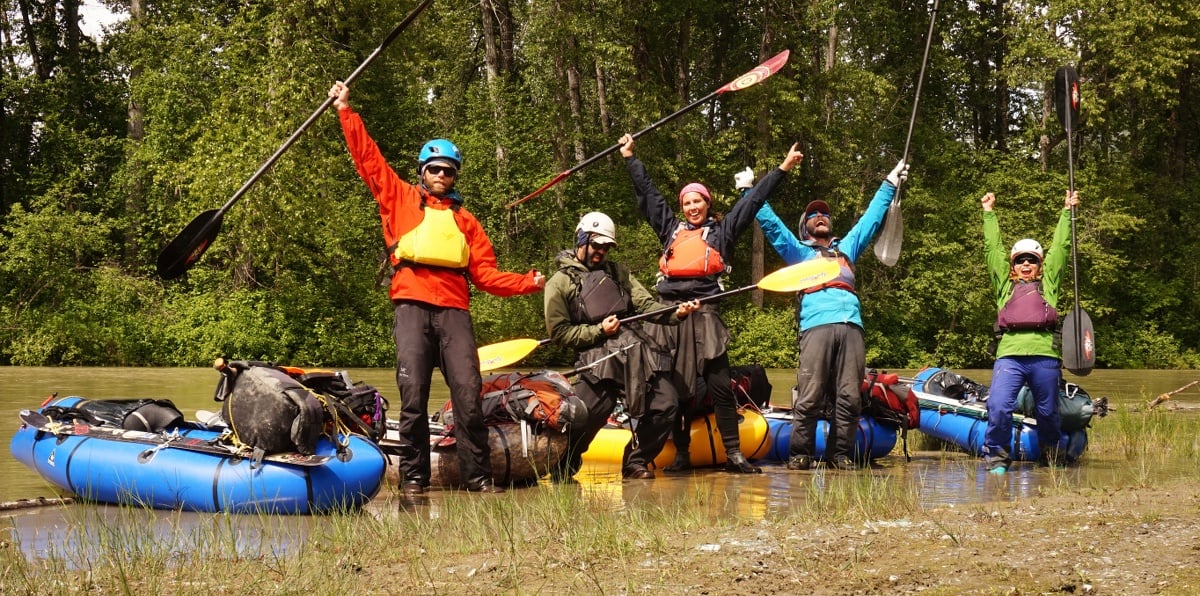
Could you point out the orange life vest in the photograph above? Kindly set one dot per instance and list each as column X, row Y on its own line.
column 690, row 255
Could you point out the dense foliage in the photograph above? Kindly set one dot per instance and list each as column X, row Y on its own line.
column 109, row 148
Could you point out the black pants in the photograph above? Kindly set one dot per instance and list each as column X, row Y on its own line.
column 832, row 367
column 428, row 336
column 651, row 431
column 717, row 384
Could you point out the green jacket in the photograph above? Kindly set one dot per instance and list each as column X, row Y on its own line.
column 636, row 356
column 1054, row 264
column 561, row 290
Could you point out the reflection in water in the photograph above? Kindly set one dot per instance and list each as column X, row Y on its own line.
column 82, row 534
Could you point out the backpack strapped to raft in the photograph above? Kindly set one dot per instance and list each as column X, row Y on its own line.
column 273, row 409
column 147, row 415
column 887, row 400
column 543, row 398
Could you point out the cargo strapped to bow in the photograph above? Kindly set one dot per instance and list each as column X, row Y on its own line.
column 887, row 400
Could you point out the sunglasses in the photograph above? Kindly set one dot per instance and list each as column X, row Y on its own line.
column 1027, row 259
column 598, row 246
column 817, row 214
column 446, row 171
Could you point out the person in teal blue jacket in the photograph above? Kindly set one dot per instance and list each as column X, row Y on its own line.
column 832, row 348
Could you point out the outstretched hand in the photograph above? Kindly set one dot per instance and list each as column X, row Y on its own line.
column 1072, row 199
column 626, row 143
column 898, row 174
column 340, row 92
column 793, row 157
column 744, row 179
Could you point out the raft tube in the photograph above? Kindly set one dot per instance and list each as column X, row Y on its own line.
column 873, row 438
column 110, row 471
column 706, row 448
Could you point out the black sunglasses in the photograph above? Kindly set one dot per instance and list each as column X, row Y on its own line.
column 446, row 171
column 1030, row 259
column 599, row 246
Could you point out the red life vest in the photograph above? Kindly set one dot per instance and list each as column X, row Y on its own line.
column 689, row 254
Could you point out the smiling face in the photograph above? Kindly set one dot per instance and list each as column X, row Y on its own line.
column 1026, row 267
column 818, row 225
column 593, row 253
column 695, row 208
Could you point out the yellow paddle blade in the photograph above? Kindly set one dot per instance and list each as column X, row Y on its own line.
column 801, row 276
column 505, row 353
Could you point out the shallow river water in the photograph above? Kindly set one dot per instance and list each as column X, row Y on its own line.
column 938, row 478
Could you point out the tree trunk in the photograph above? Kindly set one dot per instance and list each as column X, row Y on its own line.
column 135, row 199
column 574, row 98
column 495, row 25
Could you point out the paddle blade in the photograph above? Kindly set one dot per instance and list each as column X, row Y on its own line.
column 1066, row 97
column 758, row 74
column 506, row 353
column 887, row 246
column 1078, row 343
column 801, row 276
column 189, row 245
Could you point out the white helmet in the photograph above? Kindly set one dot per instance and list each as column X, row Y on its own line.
column 596, row 227
column 1027, row 246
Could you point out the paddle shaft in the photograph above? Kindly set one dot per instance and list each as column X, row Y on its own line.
column 757, row 74
column 213, row 222
column 324, row 106
column 891, row 236
column 661, row 311
column 1068, row 117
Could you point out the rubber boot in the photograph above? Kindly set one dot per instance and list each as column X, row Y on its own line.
column 737, row 463
column 682, row 463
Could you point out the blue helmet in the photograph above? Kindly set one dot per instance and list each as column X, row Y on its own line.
column 439, row 149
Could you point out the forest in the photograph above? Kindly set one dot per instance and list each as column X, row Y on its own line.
column 111, row 144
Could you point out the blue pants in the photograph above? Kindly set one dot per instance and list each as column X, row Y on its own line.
column 1043, row 374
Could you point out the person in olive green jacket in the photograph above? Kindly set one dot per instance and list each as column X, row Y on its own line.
column 1028, row 284
column 585, row 301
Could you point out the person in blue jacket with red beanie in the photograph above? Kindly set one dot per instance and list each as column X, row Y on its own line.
column 832, row 347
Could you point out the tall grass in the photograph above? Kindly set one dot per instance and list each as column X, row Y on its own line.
column 547, row 539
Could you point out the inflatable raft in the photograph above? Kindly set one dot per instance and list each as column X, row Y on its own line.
column 954, row 410
column 873, row 440
column 185, row 469
column 519, row 455
column 706, row 449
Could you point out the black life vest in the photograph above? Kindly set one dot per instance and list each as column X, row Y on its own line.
column 598, row 295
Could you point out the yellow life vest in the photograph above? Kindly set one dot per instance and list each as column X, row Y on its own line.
column 436, row 241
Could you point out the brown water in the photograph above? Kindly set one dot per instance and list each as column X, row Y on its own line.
column 939, row 478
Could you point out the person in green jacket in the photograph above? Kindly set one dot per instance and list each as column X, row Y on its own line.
column 1028, row 284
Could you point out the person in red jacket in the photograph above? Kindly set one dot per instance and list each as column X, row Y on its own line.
column 436, row 247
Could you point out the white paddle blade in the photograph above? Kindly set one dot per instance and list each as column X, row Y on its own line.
column 887, row 246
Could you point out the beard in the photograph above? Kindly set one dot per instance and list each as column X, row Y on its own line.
column 823, row 233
